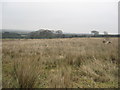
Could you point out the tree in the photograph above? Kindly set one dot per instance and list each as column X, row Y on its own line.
column 105, row 33
column 41, row 34
column 95, row 33
column 59, row 32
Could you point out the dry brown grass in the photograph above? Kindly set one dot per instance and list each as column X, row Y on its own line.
column 0, row 64
column 60, row 63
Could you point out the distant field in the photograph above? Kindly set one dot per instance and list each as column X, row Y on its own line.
column 59, row 63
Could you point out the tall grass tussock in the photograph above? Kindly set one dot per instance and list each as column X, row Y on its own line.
column 59, row 63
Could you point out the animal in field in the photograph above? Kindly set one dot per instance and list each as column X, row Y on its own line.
column 105, row 41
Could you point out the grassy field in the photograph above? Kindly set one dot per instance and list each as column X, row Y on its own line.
column 59, row 63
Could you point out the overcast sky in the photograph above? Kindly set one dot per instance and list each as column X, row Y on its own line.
column 69, row 16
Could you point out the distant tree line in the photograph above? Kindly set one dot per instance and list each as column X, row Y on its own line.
column 10, row 35
column 42, row 33
column 45, row 34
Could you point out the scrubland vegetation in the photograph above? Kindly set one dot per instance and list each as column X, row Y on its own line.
column 0, row 63
column 59, row 63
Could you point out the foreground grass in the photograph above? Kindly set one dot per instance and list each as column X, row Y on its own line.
column 0, row 74
column 60, row 63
